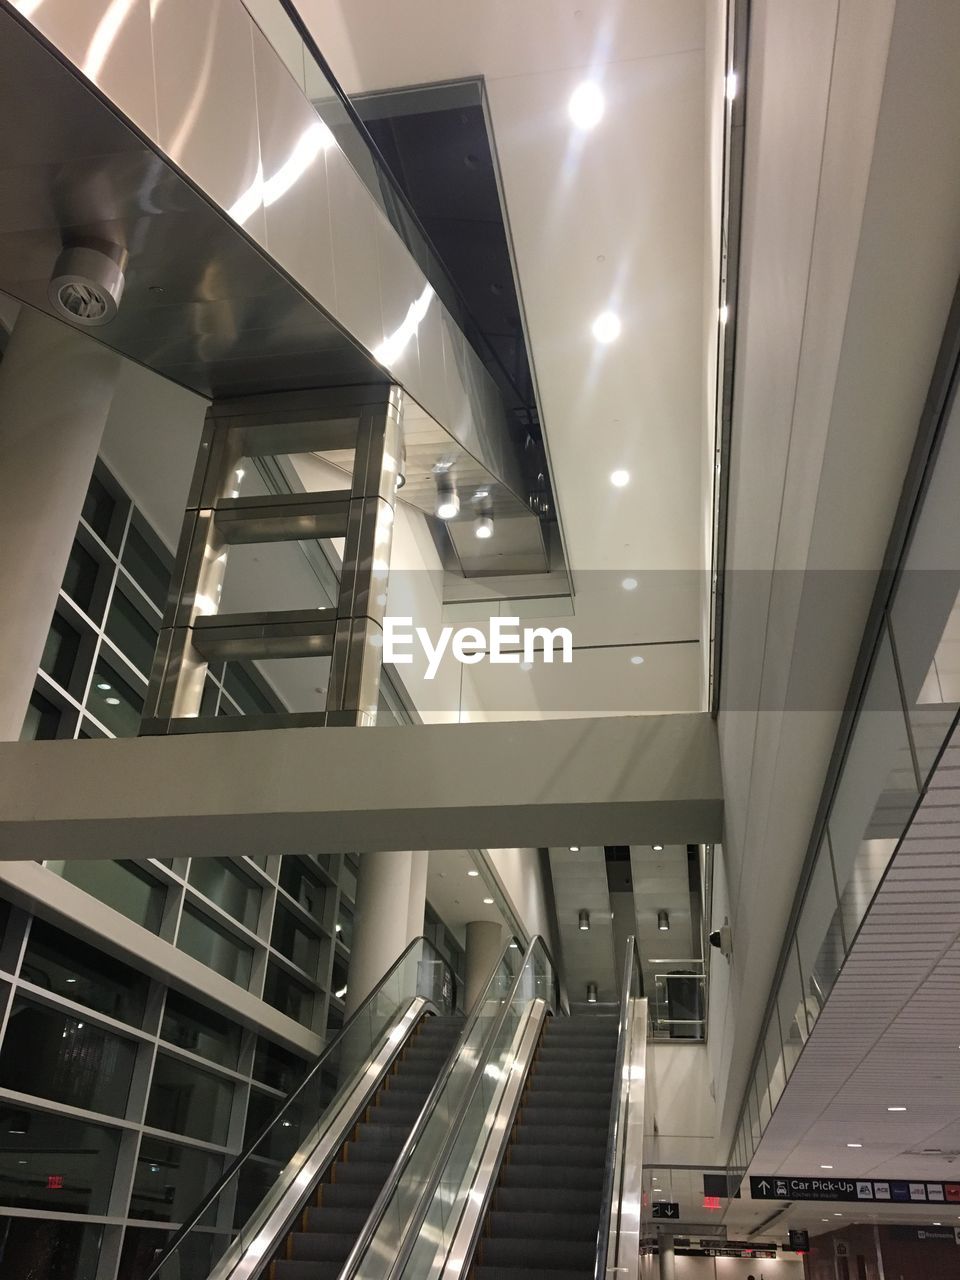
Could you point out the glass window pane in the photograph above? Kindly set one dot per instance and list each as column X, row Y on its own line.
column 121, row 885
column 212, row 945
column 295, row 942
column 56, row 1056
column 42, row 720
column 59, row 657
column 184, row 1099
column 288, row 995
column 146, row 567
column 170, row 1179
column 296, row 880
column 80, row 581
column 276, row 1067
column 875, row 796
column 71, row 968
column 132, row 632
column 203, row 1031
column 793, row 1014
column 30, row 1248
column 114, row 702
column 774, row 1055
column 223, row 883
column 345, row 926
column 819, row 936
column 99, row 508
column 247, row 693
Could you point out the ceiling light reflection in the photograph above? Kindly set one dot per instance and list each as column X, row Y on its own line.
column 607, row 327
column 620, row 479
column 586, row 105
column 394, row 345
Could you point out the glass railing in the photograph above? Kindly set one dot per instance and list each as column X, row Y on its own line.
column 232, row 1218
column 281, row 23
column 420, row 1227
column 618, row 1236
column 677, row 1000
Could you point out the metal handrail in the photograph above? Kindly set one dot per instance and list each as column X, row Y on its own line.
column 386, row 1193
column 615, row 1126
column 228, row 1175
column 416, row 1222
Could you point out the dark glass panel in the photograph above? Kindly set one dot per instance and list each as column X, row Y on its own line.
column 50, row 1162
column 212, row 945
column 224, row 884
column 184, row 1099
column 57, row 962
column 192, row 1026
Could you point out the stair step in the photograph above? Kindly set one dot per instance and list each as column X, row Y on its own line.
column 348, row 1195
column 548, row 1134
column 581, row 1178
column 286, row 1269
column 503, row 1224
column 547, row 1200
column 319, row 1246
column 542, row 1254
column 331, row 1219
column 556, row 1153
column 368, row 1172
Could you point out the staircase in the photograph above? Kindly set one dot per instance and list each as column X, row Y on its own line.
column 545, row 1211
column 319, row 1245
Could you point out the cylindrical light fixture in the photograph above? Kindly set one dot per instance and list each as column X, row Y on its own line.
column 584, row 921
column 591, row 993
column 657, row 848
column 663, row 921
column 448, row 500
column 483, row 527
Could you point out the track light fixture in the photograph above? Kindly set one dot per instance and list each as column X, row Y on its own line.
column 584, row 921
column 663, row 921
column 591, row 993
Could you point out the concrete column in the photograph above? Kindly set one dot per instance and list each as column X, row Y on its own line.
column 484, row 945
column 668, row 1262
column 391, row 890
column 56, row 388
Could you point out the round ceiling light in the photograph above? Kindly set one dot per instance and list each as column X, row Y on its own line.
column 607, row 327
column 586, row 105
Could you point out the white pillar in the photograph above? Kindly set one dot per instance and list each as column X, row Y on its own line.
column 668, row 1262
column 56, row 387
column 484, row 945
column 391, row 889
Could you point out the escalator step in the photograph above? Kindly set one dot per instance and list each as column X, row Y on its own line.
column 502, row 1224
column 365, row 1171
column 547, row 1200
column 576, row 1178
column 549, row 1134
column 317, row 1246
column 482, row 1272
column 349, row 1195
column 572, row 1255
column 338, row 1221
column 287, row 1269
column 564, row 1102
column 557, row 1153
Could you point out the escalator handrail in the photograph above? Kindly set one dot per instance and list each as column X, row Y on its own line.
column 426, row 1198
column 614, row 1128
column 396, row 1173
column 239, row 1161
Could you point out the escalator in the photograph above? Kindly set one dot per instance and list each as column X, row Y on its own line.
column 545, row 1211
column 321, row 1241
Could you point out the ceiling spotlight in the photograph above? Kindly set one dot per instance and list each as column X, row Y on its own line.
column 628, row 584
column 483, row 527
column 488, row 902
column 102, row 684
column 896, row 1108
column 606, row 327
column 448, row 500
column 473, row 873
column 574, row 848
column 826, row 1166
column 854, row 1144
column 591, row 993
column 584, row 919
column 112, row 702
column 619, row 479
column 657, row 848
column 586, row 105
column 637, row 659
column 663, row 921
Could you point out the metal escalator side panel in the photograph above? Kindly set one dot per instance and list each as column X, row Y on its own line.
column 624, row 1225
column 261, row 1236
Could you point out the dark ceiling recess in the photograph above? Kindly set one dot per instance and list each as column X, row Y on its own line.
column 435, row 141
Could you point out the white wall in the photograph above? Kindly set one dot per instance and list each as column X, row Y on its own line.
column 680, row 1103
column 521, row 875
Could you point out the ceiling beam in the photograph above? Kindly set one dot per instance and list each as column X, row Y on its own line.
column 612, row 780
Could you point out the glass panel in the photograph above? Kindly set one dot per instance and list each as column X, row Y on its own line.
column 71, row 968
column 189, row 1025
column 98, row 508
column 774, row 1056
column 345, row 926
column 170, row 1179
column 288, row 995
column 295, row 942
column 819, row 936
column 121, row 885
column 142, row 1247
column 875, row 796
column 762, row 1091
column 187, row 1100
column 211, row 944
column 42, row 720
column 793, row 1014
column 81, row 578
column 114, row 702
column 31, row 1249
column 232, row 891
column 49, row 1162
column 338, row 979
column 296, row 880
column 276, row 1067
column 133, row 634
column 247, row 693
column 60, row 651
column 145, row 566
column 56, row 1056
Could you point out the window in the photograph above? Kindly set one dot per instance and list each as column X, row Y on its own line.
column 85, row 581
column 145, row 567
column 289, row 996
column 42, row 720
column 132, row 632
column 302, row 887
column 247, row 693
column 71, row 968
column 54, row 1055
column 232, row 891
column 184, row 1099
column 54, row 1250
column 121, row 885
column 170, row 1179
column 276, row 1067
column 212, row 945
column 59, row 657
column 99, row 509
column 295, row 942
column 193, row 1026
column 114, row 702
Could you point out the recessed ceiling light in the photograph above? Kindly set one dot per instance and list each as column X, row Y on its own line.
column 526, row 666
column 488, row 902
column 854, row 1144
column 483, row 527
column 586, row 105
column 574, row 848
column 112, row 702
column 826, row 1166
column 607, row 327
column 824, row 1219
column 637, row 659
column 896, row 1108
column 838, row 1215
column 473, row 873
column 938, row 1224
column 102, row 684
column 629, row 584
column 619, row 479
column 657, row 848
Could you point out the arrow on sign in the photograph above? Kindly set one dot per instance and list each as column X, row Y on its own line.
column 764, row 1186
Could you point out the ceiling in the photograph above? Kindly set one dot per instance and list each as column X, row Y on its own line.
column 610, row 219
column 455, row 895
